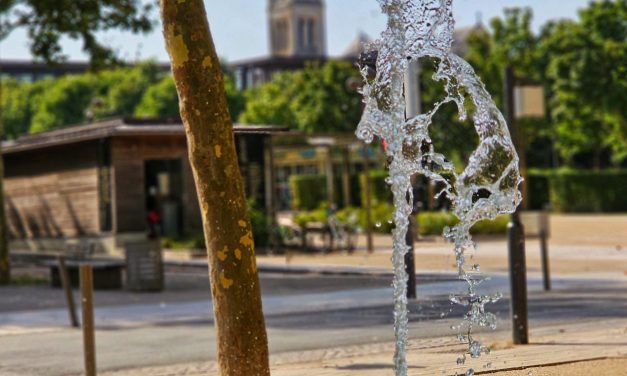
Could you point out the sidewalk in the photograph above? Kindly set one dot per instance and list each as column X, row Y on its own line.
column 577, row 244
column 553, row 349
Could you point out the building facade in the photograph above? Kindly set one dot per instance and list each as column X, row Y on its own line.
column 100, row 181
column 297, row 36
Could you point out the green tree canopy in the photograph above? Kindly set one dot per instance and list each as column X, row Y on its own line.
column 144, row 90
column 317, row 99
column 161, row 99
column 48, row 21
column 582, row 65
column 585, row 64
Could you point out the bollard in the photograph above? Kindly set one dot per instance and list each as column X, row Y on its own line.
column 67, row 288
column 87, row 304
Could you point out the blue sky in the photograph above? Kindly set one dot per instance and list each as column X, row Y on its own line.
column 240, row 31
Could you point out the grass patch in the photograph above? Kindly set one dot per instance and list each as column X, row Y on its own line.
column 27, row 279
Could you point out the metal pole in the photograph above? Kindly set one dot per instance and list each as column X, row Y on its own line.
column 87, row 304
column 330, row 177
column 544, row 249
column 368, row 198
column 412, row 108
column 410, row 264
column 67, row 288
column 516, row 234
column 346, row 189
column 270, row 192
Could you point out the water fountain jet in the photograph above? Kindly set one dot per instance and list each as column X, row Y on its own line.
column 487, row 186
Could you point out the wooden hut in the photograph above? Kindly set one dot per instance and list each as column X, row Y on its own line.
column 100, row 181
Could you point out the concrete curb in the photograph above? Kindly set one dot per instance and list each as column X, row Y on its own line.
column 330, row 270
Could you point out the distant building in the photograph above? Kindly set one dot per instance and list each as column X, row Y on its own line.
column 30, row 71
column 297, row 35
column 297, row 28
column 99, row 181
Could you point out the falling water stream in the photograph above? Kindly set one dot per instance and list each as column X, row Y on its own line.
column 488, row 185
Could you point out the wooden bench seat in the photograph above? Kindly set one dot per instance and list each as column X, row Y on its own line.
column 107, row 273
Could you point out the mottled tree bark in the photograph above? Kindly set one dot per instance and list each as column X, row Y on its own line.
column 5, row 265
column 239, row 322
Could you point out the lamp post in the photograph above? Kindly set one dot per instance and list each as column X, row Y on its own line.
column 516, row 231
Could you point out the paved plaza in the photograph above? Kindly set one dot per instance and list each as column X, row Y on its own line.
column 331, row 314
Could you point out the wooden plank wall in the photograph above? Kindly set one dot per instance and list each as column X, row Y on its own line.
column 128, row 158
column 52, row 193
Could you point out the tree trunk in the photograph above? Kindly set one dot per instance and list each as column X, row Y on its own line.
column 239, row 322
column 5, row 265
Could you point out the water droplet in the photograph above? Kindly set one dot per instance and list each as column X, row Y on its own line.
column 475, row 349
column 461, row 361
column 470, row 372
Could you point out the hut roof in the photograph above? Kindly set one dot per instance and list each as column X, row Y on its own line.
column 116, row 127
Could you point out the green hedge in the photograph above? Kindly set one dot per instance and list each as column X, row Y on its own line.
column 196, row 240
column 433, row 223
column 259, row 223
column 568, row 190
column 379, row 189
column 588, row 191
column 429, row 223
column 538, row 189
column 308, row 191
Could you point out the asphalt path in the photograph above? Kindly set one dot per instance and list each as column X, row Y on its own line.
column 303, row 312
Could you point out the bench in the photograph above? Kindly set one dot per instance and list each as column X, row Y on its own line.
column 107, row 273
column 338, row 237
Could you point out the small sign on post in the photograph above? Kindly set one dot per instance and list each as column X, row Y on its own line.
column 529, row 101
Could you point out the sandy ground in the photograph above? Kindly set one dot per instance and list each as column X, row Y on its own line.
column 578, row 244
column 603, row 367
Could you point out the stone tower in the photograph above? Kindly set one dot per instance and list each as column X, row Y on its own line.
column 297, row 28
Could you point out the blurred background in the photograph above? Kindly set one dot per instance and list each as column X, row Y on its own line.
column 95, row 168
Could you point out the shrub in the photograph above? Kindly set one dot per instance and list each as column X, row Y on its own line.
column 259, row 223
column 588, row 191
column 318, row 215
column 495, row 226
column 308, row 191
column 379, row 189
column 186, row 241
column 433, row 223
column 538, row 189
column 569, row 190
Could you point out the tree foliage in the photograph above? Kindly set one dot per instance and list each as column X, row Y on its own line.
column 47, row 22
column 582, row 64
column 144, row 90
column 317, row 99
column 585, row 64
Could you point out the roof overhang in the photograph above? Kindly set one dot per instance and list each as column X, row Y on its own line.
column 117, row 128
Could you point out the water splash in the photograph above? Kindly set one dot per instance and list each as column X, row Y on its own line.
column 487, row 187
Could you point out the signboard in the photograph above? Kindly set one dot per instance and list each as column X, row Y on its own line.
column 529, row 101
